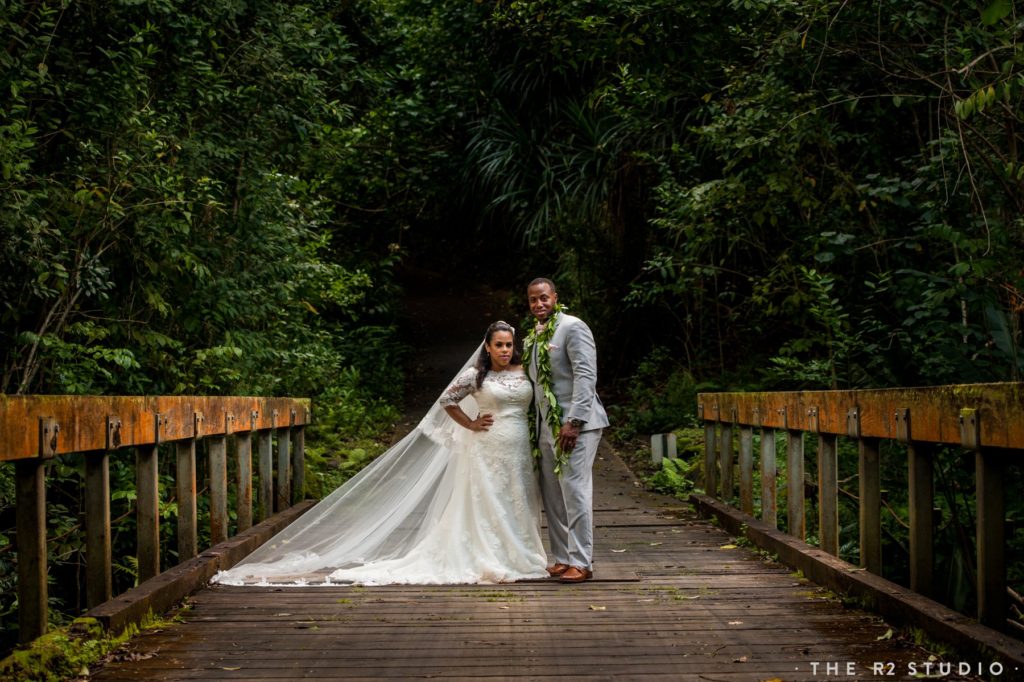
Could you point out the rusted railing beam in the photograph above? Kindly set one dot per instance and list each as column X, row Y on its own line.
column 935, row 411
column 83, row 421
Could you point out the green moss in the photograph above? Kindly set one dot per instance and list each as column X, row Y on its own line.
column 70, row 651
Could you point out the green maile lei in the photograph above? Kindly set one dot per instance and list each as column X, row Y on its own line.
column 554, row 417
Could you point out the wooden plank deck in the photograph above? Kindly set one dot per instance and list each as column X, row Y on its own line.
column 671, row 600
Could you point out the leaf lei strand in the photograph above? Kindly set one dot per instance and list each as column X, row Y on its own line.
column 554, row 416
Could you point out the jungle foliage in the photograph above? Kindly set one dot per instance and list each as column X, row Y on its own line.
column 216, row 197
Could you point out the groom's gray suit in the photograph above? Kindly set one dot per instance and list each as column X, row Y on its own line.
column 569, row 499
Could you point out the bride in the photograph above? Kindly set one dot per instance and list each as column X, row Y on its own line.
column 455, row 501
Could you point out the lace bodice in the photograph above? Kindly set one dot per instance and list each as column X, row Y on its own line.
column 502, row 393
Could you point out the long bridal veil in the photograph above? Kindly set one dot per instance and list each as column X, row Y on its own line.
column 380, row 513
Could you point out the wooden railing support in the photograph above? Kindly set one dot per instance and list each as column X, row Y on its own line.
column 870, row 507
column 725, row 459
column 710, row 446
column 921, row 501
column 298, row 463
column 264, row 447
column 769, row 473
column 243, row 457
column 747, row 470
column 828, row 494
column 188, row 536
column 991, row 509
column 796, row 521
column 30, row 518
column 284, row 481
column 217, row 455
column 98, row 576
column 147, row 499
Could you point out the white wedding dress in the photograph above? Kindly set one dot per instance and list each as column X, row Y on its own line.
column 443, row 506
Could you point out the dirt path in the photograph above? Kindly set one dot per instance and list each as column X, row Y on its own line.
column 443, row 323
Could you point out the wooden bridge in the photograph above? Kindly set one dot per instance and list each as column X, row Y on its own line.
column 675, row 596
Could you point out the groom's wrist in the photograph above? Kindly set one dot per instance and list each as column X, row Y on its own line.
column 578, row 423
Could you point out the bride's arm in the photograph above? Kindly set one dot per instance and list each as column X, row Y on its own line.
column 464, row 385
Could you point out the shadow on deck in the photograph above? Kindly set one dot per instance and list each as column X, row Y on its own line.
column 674, row 598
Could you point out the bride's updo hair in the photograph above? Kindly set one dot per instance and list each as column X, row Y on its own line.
column 483, row 362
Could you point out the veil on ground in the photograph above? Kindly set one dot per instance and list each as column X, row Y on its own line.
column 380, row 513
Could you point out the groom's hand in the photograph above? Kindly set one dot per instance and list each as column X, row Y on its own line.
column 567, row 437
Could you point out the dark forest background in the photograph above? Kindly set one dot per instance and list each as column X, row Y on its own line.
column 225, row 198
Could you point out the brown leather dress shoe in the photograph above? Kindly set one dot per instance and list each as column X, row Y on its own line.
column 576, row 574
column 557, row 570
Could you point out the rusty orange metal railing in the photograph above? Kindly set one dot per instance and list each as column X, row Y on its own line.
column 985, row 420
column 35, row 429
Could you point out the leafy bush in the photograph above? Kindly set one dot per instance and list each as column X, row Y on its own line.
column 660, row 396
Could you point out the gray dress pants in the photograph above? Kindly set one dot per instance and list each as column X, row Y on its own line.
column 569, row 499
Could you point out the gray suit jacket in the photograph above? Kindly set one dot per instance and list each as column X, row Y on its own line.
column 573, row 374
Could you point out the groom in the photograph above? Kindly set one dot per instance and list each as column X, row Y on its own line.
column 562, row 362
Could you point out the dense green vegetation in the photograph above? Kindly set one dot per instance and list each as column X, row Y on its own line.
column 749, row 194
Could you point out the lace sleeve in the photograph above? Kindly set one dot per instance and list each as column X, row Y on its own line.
column 464, row 385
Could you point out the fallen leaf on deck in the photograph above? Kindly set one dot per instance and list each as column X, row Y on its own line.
column 598, row 608
column 618, row 551
column 887, row 635
column 741, row 659
column 727, row 547
column 654, row 544
column 735, row 622
column 226, row 668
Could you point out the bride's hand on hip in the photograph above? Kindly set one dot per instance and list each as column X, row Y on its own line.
column 482, row 423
